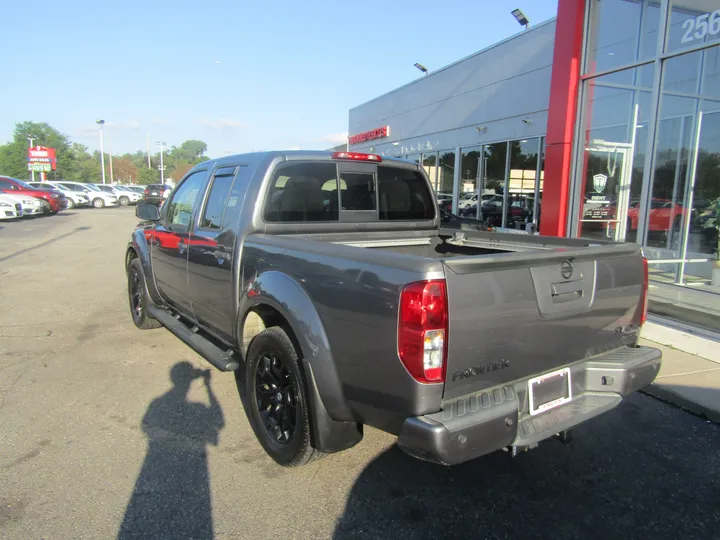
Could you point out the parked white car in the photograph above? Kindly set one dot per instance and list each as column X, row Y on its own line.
column 124, row 195
column 31, row 206
column 9, row 208
column 74, row 198
column 98, row 198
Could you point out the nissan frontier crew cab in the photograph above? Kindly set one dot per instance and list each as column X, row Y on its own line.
column 328, row 285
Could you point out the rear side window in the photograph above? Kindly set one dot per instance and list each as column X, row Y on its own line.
column 404, row 195
column 303, row 192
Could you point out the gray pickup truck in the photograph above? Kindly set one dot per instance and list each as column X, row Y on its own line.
column 330, row 285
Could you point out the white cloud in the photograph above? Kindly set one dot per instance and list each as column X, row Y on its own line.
column 335, row 138
column 221, row 123
column 158, row 121
column 216, row 62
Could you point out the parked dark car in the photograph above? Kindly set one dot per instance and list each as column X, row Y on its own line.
column 156, row 193
column 52, row 199
column 332, row 288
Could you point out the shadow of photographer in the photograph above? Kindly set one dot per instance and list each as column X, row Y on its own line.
column 171, row 498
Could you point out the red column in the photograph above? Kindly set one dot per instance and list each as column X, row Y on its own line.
column 564, row 87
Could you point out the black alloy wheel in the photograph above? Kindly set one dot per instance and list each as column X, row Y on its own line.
column 276, row 395
column 276, row 399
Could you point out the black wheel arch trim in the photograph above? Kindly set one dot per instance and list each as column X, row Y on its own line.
column 138, row 244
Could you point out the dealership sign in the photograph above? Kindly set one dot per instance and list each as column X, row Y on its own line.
column 378, row 133
column 41, row 159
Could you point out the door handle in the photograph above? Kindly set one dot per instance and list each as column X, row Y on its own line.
column 222, row 255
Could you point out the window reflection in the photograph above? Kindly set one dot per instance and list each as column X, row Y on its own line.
column 616, row 138
column 621, row 32
column 692, row 23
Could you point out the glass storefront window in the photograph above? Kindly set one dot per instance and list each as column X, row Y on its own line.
column 621, row 32
column 494, row 177
column 470, row 181
column 615, row 138
column 520, row 202
column 692, row 23
column 446, row 177
column 681, row 228
column 429, row 163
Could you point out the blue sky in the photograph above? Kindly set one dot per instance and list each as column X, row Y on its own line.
column 240, row 76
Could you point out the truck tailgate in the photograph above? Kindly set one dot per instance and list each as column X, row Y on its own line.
column 517, row 315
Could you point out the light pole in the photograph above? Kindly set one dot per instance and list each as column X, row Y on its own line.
column 520, row 18
column 162, row 167
column 31, row 139
column 101, row 123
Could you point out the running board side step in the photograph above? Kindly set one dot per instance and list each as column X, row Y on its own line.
column 222, row 360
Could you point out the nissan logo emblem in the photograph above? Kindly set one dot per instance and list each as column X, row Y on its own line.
column 566, row 270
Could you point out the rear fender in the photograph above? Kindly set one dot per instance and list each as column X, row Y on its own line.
column 334, row 428
column 141, row 247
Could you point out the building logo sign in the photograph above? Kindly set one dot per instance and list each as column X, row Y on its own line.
column 599, row 182
column 41, row 159
column 379, row 133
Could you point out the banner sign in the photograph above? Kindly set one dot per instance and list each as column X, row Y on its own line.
column 41, row 159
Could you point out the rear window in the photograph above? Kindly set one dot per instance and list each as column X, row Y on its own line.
column 308, row 192
column 404, row 195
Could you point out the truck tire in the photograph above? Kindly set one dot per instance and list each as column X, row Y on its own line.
column 138, row 298
column 277, row 399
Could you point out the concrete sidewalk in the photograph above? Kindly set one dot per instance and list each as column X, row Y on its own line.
column 688, row 378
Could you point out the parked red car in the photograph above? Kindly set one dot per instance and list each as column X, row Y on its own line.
column 52, row 200
column 664, row 215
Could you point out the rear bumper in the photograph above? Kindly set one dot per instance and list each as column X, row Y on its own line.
column 475, row 425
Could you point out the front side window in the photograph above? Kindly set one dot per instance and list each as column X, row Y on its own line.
column 6, row 184
column 303, row 192
column 180, row 207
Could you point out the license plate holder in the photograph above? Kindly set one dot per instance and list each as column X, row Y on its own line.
column 549, row 391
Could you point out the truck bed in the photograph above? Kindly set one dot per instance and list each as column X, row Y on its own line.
column 512, row 313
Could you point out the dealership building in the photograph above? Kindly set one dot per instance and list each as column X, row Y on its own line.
column 601, row 123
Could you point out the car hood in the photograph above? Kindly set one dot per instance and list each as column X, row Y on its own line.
column 20, row 198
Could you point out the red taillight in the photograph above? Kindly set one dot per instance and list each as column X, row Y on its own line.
column 644, row 294
column 422, row 330
column 147, row 191
column 356, row 156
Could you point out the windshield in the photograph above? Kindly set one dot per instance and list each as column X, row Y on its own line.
column 108, row 189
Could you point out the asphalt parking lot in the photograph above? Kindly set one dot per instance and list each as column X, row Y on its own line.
column 96, row 441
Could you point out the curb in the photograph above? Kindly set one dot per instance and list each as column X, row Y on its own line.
column 673, row 398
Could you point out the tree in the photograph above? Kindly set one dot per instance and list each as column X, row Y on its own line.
column 179, row 170
column 87, row 165
column 124, row 170
column 148, row 176
column 13, row 156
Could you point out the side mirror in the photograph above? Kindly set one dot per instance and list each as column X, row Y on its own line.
column 147, row 212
